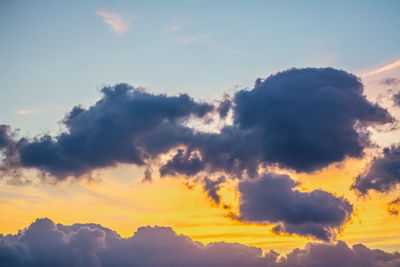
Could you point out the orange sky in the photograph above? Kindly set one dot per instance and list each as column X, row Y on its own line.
column 125, row 204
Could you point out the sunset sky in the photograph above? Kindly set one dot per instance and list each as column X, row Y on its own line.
column 269, row 124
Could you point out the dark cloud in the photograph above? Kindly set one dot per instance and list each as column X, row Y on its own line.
column 301, row 119
column 326, row 255
column 45, row 244
column 9, row 156
column 306, row 117
column 5, row 138
column 211, row 187
column 396, row 99
column 390, row 81
column 224, row 107
column 272, row 198
column 394, row 207
column 383, row 173
column 184, row 163
column 111, row 132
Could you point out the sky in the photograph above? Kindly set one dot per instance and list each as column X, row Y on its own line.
column 135, row 132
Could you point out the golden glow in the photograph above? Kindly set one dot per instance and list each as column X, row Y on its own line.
column 124, row 203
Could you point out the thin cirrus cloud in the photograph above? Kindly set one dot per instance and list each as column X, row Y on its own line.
column 36, row 110
column 117, row 23
column 174, row 28
column 206, row 41
column 388, row 67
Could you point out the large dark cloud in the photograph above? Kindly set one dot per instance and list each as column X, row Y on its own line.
column 301, row 119
column 383, row 173
column 112, row 131
column 45, row 244
column 272, row 198
column 307, row 117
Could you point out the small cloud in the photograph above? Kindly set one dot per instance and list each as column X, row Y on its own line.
column 174, row 28
column 36, row 110
column 117, row 23
column 198, row 39
column 177, row 25
column 206, row 41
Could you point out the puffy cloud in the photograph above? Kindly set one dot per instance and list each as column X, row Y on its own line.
column 8, row 147
column 301, row 119
column 5, row 138
column 184, row 163
column 272, row 198
column 224, row 107
column 306, row 117
column 383, row 173
column 44, row 243
column 327, row 255
column 112, row 131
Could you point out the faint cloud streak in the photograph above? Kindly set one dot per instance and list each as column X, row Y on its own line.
column 174, row 28
column 36, row 110
column 118, row 24
column 382, row 69
column 205, row 41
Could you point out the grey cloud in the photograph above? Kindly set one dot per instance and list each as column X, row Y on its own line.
column 212, row 187
column 272, row 198
column 390, row 81
column 111, row 132
column 44, row 243
column 300, row 119
column 383, row 173
column 396, row 99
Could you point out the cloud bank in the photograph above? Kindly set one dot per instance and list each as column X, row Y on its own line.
column 272, row 198
column 44, row 243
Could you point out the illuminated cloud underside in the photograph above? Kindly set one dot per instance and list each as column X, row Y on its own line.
column 45, row 244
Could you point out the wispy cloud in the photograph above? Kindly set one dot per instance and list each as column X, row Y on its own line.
column 37, row 110
column 178, row 25
column 174, row 28
column 196, row 39
column 206, row 41
column 388, row 67
column 118, row 24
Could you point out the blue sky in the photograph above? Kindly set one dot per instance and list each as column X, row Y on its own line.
column 56, row 54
